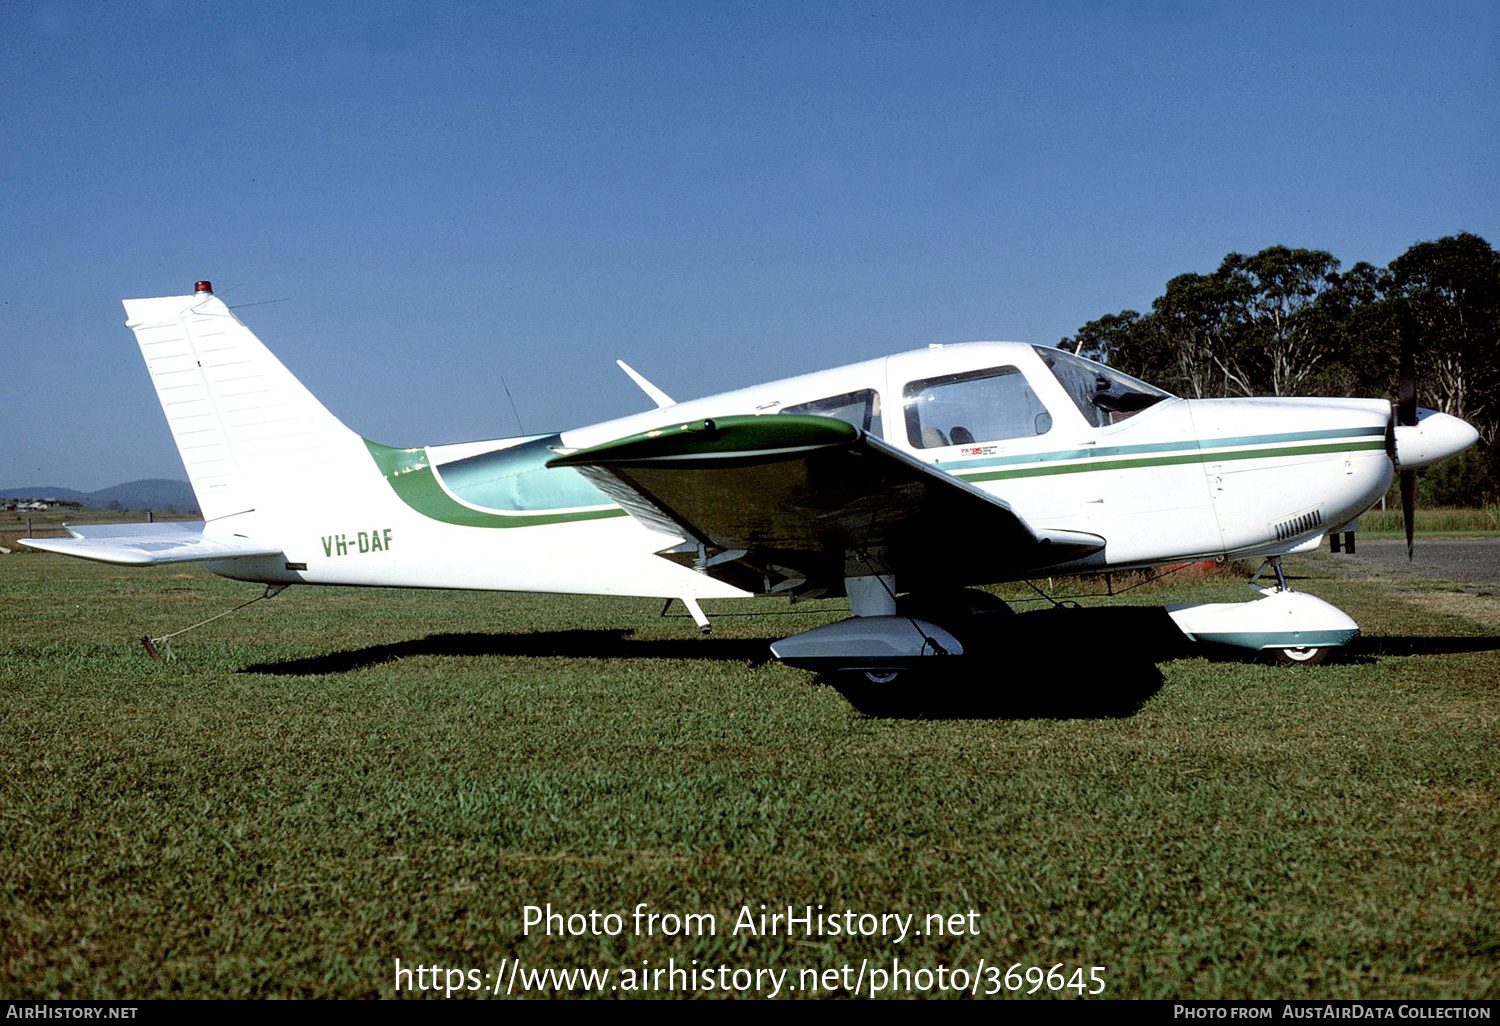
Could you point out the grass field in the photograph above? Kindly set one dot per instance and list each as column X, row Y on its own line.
column 1437, row 520
column 336, row 779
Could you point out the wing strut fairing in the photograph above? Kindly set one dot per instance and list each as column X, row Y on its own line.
column 764, row 500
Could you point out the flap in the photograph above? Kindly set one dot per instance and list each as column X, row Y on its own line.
column 793, row 496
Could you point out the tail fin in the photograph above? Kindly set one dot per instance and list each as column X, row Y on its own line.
column 245, row 427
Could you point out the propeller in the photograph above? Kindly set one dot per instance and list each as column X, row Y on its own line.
column 1417, row 438
column 1406, row 416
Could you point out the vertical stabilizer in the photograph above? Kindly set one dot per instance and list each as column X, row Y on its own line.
column 247, row 430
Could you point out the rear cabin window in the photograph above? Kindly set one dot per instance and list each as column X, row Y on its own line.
column 862, row 409
column 973, row 406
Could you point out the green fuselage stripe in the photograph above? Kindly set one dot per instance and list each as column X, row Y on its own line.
column 409, row 473
column 1039, row 470
column 1099, row 451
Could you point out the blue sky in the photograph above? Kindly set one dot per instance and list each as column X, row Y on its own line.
column 448, row 195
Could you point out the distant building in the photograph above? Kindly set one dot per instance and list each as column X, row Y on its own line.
column 29, row 504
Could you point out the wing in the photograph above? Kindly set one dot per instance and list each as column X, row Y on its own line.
column 150, row 544
column 772, row 503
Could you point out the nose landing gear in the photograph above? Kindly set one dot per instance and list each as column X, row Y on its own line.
column 1294, row 628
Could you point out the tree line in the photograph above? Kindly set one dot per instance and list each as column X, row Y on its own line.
column 1291, row 322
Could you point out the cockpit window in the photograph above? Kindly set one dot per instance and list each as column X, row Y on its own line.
column 862, row 409
column 1102, row 394
column 974, row 406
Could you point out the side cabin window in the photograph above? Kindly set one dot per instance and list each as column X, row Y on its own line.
column 861, row 408
column 973, row 406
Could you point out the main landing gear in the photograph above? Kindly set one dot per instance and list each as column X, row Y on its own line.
column 887, row 658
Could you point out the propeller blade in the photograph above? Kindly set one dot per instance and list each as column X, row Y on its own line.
column 1406, row 416
column 1406, row 385
column 1409, row 508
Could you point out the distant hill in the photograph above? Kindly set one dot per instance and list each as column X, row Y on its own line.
column 155, row 493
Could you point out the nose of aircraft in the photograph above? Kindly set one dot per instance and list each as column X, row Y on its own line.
column 1434, row 437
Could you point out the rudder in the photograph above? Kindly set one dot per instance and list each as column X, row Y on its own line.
column 245, row 427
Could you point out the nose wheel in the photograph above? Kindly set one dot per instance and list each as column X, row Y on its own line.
column 1307, row 655
column 1301, row 656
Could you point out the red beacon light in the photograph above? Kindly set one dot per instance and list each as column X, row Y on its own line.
column 203, row 288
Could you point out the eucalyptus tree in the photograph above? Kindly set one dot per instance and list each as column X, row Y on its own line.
column 1273, row 325
column 1451, row 288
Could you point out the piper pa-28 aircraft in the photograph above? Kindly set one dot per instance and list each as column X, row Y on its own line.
column 899, row 483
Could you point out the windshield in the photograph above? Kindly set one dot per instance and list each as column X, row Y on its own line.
column 1102, row 394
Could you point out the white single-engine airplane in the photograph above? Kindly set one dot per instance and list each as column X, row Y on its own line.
column 897, row 482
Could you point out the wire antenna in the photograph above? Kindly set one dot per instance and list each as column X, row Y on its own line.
column 261, row 302
column 512, row 404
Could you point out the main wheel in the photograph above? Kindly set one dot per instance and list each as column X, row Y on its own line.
column 1302, row 656
column 879, row 692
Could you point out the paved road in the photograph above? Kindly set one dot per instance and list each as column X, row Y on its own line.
column 1475, row 560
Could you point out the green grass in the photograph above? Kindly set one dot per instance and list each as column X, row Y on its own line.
column 335, row 779
column 1435, row 519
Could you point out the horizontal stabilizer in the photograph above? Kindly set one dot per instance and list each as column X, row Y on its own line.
column 150, row 544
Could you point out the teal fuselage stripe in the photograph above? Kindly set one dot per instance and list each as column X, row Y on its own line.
column 497, row 478
column 1100, row 451
column 1045, row 463
column 1260, row 640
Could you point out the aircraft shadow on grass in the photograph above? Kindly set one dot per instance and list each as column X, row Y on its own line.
column 1058, row 663
column 1049, row 663
column 569, row 644
column 1109, row 656
column 1103, row 665
column 1365, row 649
